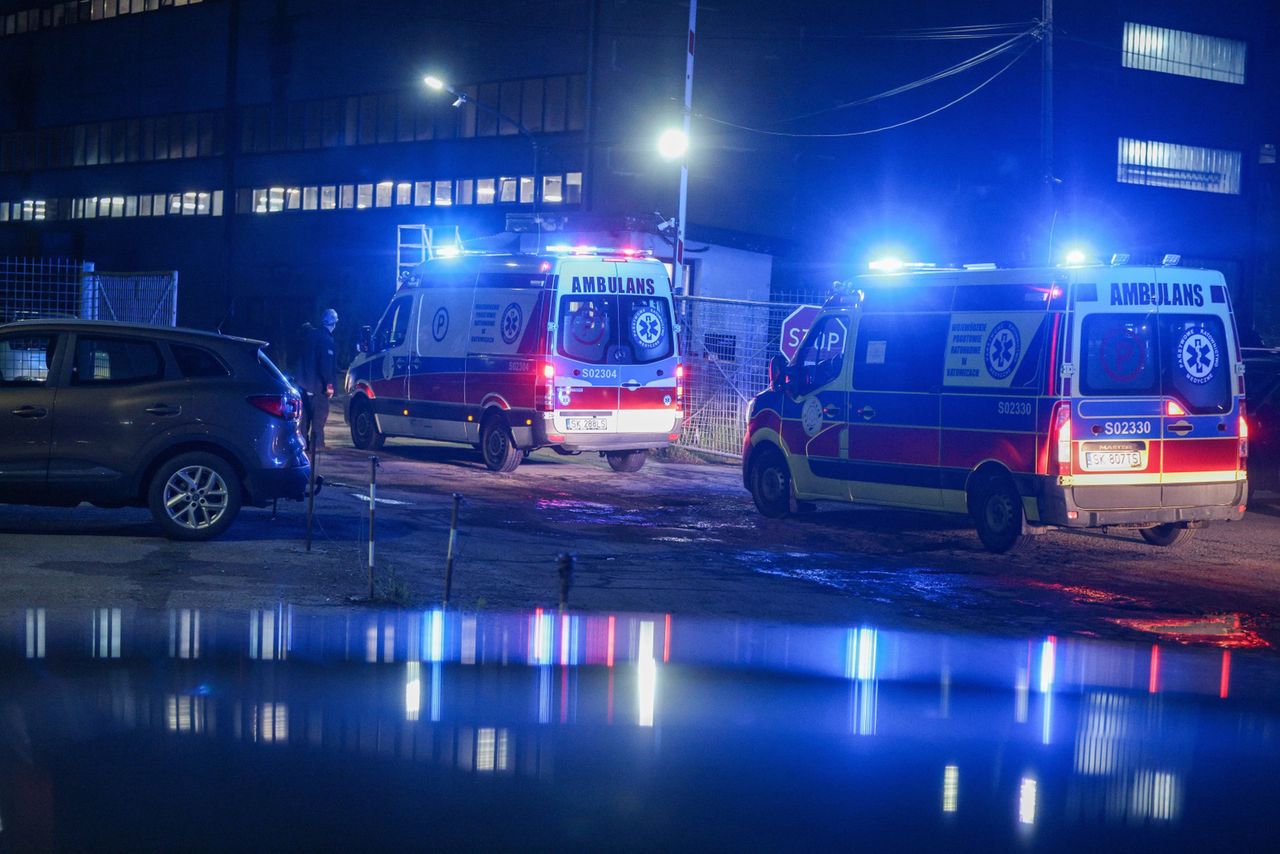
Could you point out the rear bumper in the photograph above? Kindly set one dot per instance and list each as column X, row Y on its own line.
column 266, row 485
column 1153, row 504
column 541, row 435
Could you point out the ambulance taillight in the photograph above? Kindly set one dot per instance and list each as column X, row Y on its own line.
column 1060, row 437
column 545, row 394
column 680, row 387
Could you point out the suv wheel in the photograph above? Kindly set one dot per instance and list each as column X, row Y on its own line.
column 498, row 448
column 626, row 461
column 365, row 434
column 997, row 514
column 1167, row 535
column 194, row 496
column 771, row 484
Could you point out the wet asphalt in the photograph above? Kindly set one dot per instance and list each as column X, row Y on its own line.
column 681, row 538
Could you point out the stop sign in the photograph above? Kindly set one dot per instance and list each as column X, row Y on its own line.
column 795, row 327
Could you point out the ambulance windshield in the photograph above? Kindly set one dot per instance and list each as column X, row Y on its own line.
column 613, row 329
column 1183, row 356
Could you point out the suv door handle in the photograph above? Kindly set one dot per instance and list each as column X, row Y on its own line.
column 31, row 412
column 866, row 412
column 164, row 409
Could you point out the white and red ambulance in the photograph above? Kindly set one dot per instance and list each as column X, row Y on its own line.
column 1080, row 397
column 572, row 349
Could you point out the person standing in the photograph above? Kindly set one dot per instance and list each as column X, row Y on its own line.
column 317, row 370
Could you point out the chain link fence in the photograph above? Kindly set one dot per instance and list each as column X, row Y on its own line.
column 64, row 287
column 726, row 347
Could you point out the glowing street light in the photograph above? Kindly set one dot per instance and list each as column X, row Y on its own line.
column 673, row 144
column 433, row 82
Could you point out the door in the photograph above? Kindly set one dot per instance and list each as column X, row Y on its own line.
column 437, row 368
column 389, row 376
column 895, row 410
column 591, row 358
column 814, row 426
column 26, row 411
column 120, row 397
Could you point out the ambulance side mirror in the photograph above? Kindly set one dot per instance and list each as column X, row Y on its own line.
column 365, row 341
column 777, row 371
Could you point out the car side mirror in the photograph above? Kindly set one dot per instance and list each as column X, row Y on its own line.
column 777, row 371
column 365, row 342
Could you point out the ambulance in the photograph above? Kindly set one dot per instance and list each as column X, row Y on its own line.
column 1102, row 397
column 572, row 349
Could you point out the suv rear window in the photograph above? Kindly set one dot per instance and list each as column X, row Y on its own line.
column 1184, row 356
column 197, row 362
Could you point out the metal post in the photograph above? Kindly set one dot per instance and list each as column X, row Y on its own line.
column 311, row 487
column 373, row 502
column 453, row 542
column 1046, row 119
column 564, row 567
column 677, row 267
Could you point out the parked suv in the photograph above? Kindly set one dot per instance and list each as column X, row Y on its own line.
column 1262, row 391
column 191, row 424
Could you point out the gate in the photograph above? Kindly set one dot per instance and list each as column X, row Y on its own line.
column 63, row 287
column 726, row 346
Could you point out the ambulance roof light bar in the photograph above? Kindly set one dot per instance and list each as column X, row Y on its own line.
column 1170, row 260
column 897, row 265
column 626, row 251
column 1119, row 259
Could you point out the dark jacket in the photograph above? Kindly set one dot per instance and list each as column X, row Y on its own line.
column 318, row 366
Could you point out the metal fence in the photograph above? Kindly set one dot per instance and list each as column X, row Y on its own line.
column 726, row 347
column 64, row 287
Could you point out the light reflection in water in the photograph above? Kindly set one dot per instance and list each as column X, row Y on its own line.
column 412, row 691
column 106, row 633
column 35, row 633
column 1027, row 801
column 646, row 675
column 950, row 788
column 184, row 633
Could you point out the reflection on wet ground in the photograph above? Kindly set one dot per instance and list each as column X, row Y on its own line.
column 281, row 728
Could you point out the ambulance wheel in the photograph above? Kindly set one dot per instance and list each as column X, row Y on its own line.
column 365, row 434
column 1167, row 535
column 626, row 461
column 997, row 514
column 771, row 484
column 497, row 447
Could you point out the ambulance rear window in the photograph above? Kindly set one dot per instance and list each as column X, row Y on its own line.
column 613, row 329
column 1120, row 355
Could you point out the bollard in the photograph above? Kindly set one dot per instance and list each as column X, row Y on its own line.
column 453, row 541
column 311, row 486
column 373, row 502
column 564, row 566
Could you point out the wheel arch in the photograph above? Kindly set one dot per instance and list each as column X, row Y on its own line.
column 758, row 450
column 985, row 472
column 206, row 446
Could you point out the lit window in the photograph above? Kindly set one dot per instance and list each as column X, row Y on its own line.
column 1188, row 54
column 4, row 211
column 444, row 193
column 117, row 206
column 157, row 204
column 275, row 199
column 259, row 201
column 1183, row 167
column 90, row 208
column 202, row 204
column 422, row 193
column 552, row 189
column 364, row 196
column 573, row 188
column 506, row 189
column 404, row 193
column 484, row 191
column 188, row 204
column 466, row 192
column 348, row 196
column 175, row 204
column 328, row 198
column 293, row 199
column 383, row 196
column 526, row 189
column 216, row 203
column 310, row 198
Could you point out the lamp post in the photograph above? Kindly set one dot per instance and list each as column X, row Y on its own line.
column 461, row 98
column 673, row 144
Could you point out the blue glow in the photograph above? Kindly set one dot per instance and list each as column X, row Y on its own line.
column 448, row 250
column 886, row 265
column 1047, row 651
column 1075, row 257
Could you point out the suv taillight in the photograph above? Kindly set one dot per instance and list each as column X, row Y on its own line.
column 1060, row 438
column 280, row 405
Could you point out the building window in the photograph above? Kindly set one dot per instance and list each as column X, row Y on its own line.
column 506, row 189
column 1188, row 54
column 382, row 198
column 422, row 194
column 484, row 191
column 275, row 199
column 526, row 189
column 573, row 188
column 348, row 198
column 293, row 199
column 1183, row 167
column 404, row 193
column 364, row 196
column 310, row 198
column 466, row 192
column 444, row 193
column 328, row 198
column 552, row 189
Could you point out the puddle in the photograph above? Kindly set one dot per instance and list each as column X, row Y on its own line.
column 359, row 496
column 873, row 583
column 1224, row 630
column 1088, row 595
column 588, row 511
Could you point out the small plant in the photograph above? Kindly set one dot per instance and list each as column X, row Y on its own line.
column 392, row 589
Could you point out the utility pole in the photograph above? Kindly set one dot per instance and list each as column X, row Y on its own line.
column 1046, row 120
column 677, row 271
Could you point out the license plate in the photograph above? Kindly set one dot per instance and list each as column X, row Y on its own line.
column 586, row 425
column 1113, row 460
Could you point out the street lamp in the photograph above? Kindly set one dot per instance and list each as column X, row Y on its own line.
column 438, row 85
column 673, row 144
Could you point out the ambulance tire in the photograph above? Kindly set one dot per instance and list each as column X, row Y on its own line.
column 626, row 461
column 497, row 447
column 771, row 484
column 997, row 514
column 365, row 434
column 1167, row 536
